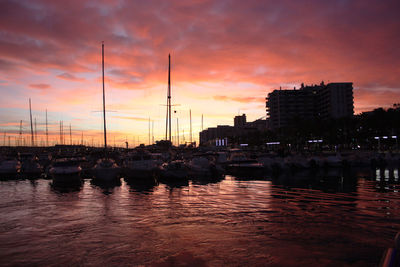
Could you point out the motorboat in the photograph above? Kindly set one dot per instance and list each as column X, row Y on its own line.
column 9, row 167
column 65, row 170
column 175, row 170
column 139, row 165
column 30, row 166
column 106, row 170
column 201, row 166
column 238, row 162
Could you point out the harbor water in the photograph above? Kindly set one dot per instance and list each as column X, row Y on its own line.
column 227, row 222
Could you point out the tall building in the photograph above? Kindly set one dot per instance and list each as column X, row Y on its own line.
column 239, row 121
column 334, row 100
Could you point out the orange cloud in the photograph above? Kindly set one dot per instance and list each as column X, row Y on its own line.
column 239, row 99
column 131, row 118
column 40, row 86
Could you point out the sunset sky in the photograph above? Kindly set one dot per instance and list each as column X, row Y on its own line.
column 226, row 57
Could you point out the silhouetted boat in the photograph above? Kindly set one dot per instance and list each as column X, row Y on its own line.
column 30, row 166
column 174, row 171
column 106, row 170
column 9, row 168
column 65, row 170
column 239, row 163
column 201, row 166
column 139, row 165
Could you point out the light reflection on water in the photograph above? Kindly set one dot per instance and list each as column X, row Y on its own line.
column 290, row 222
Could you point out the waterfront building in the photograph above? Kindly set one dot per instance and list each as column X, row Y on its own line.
column 239, row 121
column 227, row 133
column 334, row 100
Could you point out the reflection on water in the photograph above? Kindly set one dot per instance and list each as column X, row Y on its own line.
column 141, row 186
column 292, row 220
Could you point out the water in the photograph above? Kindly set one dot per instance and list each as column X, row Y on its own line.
column 323, row 222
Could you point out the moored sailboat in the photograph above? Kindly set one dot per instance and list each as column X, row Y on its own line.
column 106, row 169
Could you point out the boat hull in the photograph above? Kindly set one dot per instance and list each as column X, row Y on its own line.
column 106, row 174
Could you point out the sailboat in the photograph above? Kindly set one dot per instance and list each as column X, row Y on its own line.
column 106, row 170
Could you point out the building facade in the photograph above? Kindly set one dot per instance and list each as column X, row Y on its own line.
column 284, row 107
column 212, row 135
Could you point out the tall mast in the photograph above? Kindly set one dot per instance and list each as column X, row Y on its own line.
column 190, row 114
column 36, row 133
column 104, row 100
column 30, row 112
column 149, row 132
column 20, row 133
column 62, row 132
column 47, row 131
column 152, row 131
column 82, row 138
column 168, row 118
column 60, row 135
column 70, row 134
column 201, row 122
column 177, row 128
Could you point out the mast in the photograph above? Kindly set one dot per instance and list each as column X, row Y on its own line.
column 201, row 122
column 168, row 118
column 62, row 132
column 36, row 132
column 149, row 132
column 104, row 101
column 30, row 112
column 20, row 133
column 152, row 131
column 70, row 135
column 190, row 113
column 82, row 138
column 176, row 137
column 60, row 135
column 47, row 131
column 177, row 129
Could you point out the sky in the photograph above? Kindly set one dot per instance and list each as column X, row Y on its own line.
column 226, row 57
